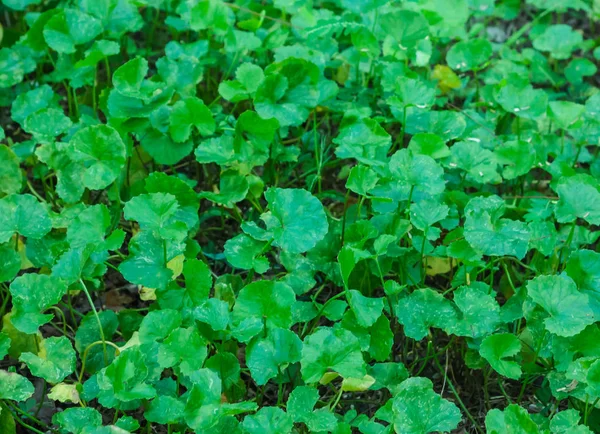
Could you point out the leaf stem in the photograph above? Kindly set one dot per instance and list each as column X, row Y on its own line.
column 589, row 410
column 456, row 395
column 279, row 387
column 320, row 313
column 423, row 265
column 525, row 28
column 27, row 415
column 100, row 329
column 403, row 127
column 535, row 356
column 337, row 399
column 35, row 193
column 41, row 403
column 87, row 350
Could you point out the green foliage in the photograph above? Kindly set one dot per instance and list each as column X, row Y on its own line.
column 58, row 361
column 296, row 219
column 299, row 217
column 418, row 409
column 331, row 349
column 23, row 215
column 15, row 386
column 496, row 349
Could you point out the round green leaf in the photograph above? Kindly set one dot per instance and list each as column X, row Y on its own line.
column 246, row 253
column 469, row 55
column 268, row 420
column 77, row 419
column 491, row 235
column 23, row 214
column 568, row 308
column 128, row 78
column 407, row 27
column 428, row 144
column 163, row 149
column 497, row 349
column 101, row 151
column 69, row 28
column 164, row 410
column 577, row 69
column 267, row 356
column 46, row 124
column 10, row 173
column 578, row 197
column 521, row 99
column 559, row 40
column 267, row 301
column 32, row 294
column 513, row 420
column 328, row 349
column 564, row 113
column 480, row 312
column 11, row 262
column 417, row 409
column 57, row 362
column 422, row 309
column 147, row 264
column 301, row 405
column 188, row 113
column 157, row 212
column 417, row 173
column 363, row 139
column 14, row 386
column 296, row 218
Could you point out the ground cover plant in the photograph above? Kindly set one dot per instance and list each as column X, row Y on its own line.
column 345, row 216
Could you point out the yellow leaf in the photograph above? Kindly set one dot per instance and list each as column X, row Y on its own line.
column 447, row 79
column 25, row 263
column 42, row 352
column 342, row 73
column 147, row 294
column 176, row 265
column 357, row 384
column 65, row 393
column 435, row 265
column 328, row 377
